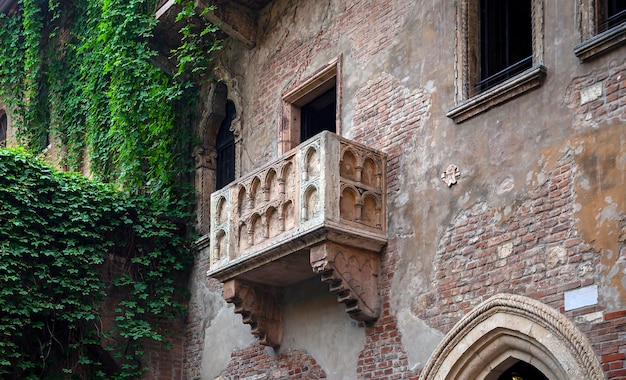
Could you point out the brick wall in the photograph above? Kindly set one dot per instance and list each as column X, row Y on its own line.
column 372, row 26
column 607, row 334
column 386, row 117
column 599, row 96
column 194, row 333
column 383, row 356
column 534, row 250
column 166, row 362
column 254, row 362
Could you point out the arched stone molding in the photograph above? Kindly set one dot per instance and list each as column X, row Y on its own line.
column 506, row 328
column 212, row 111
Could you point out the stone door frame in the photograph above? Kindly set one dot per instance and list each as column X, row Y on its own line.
column 507, row 328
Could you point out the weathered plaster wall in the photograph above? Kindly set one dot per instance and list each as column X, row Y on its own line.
column 541, row 187
column 315, row 322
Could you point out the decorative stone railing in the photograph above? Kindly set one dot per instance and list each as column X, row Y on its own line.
column 322, row 204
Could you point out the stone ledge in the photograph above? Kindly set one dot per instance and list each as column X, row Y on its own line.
column 524, row 82
column 601, row 43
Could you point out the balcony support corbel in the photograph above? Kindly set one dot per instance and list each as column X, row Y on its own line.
column 259, row 307
column 352, row 274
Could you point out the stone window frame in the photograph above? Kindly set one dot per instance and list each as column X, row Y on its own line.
column 467, row 64
column 293, row 99
column 218, row 94
column 595, row 43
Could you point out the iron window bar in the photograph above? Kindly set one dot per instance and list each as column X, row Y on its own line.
column 613, row 20
column 504, row 74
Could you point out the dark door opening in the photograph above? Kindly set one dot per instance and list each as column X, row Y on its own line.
column 319, row 115
column 522, row 371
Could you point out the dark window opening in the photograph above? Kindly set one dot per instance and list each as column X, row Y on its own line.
column 225, row 146
column 610, row 14
column 505, row 40
column 522, row 371
column 319, row 115
column 4, row 123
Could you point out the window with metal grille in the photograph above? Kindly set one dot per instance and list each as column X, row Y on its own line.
column 602, row 27
column 499, row 53
column 610, row 13
column 225, row 146
column 505, row 40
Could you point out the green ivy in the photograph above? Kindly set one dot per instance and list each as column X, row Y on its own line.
column 67, row 244
column 82, row 71
column 72, row 250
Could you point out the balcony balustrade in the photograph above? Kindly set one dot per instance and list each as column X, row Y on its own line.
column 319, row 210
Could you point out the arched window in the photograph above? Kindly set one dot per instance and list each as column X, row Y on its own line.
column 4, row 123
column 225, row 146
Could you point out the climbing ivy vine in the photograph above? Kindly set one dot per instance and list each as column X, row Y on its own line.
column 88, row 273
column 89, row 270
column 83, row 71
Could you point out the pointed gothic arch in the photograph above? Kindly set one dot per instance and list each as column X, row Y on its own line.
column 506, row 329
column 217, row 154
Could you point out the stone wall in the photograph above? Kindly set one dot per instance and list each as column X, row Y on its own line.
column 539, row 207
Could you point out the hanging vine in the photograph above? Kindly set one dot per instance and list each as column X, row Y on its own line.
column 89, row 273
column 82, row 72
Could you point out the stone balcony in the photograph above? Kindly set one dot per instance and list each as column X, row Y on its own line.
column 319, row 210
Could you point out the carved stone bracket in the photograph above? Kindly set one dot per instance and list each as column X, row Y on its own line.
column 352, row 274
column 259, row 307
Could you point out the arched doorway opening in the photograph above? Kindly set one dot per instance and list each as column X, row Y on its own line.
column 225, row 146
column 511, row 335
